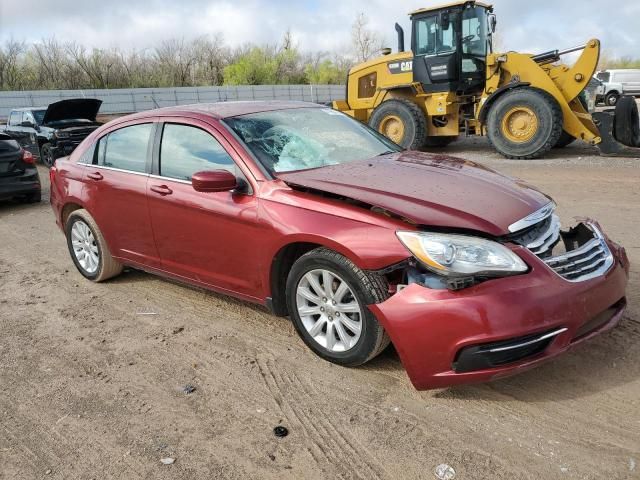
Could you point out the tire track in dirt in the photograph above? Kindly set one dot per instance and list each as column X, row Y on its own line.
column 293, row 398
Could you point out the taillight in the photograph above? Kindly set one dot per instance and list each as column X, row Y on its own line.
column 27, row 157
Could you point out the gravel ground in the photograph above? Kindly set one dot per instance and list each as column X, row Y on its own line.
column 91, row 375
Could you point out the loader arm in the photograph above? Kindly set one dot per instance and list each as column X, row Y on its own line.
column 562, row 82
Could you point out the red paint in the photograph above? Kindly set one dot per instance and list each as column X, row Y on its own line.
column 227, row 240
column 214, row 181
column 436, row 190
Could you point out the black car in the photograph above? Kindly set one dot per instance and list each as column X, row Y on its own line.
column 54, row 131
column 18, row 173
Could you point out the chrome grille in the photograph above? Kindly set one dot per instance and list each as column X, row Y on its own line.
column 585, row 262
column 586, row 253
column 547, row 237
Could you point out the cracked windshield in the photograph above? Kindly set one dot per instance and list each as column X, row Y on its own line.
column 304, row 138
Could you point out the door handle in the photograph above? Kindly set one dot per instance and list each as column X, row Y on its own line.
column 95, row 176
column 161, row 189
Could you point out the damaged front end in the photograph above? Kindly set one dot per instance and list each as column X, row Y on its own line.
column 456, row 329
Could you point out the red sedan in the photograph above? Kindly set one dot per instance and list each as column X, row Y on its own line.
column 305, row 210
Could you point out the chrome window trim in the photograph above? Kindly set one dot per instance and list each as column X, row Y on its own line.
column 529, row 342
column 533, row 218
column 102, row 167
column 160, row 177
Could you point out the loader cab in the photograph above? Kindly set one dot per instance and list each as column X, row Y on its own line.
column 450, row 46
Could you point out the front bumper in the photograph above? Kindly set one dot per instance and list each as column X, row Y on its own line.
column 23, row 184
column 430, row 328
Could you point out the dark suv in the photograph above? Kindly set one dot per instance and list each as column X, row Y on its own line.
column 54, row 131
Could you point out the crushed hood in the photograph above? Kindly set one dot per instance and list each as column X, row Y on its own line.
column 429, row 190
column 74, row 108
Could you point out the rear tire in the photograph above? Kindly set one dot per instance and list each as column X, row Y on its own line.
column 612, row 99
column 626, row 126
column 103, row 266
column 524, row 123
column 366, row 338
column 402, row 122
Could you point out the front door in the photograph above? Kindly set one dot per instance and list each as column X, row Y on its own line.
column 211, row 238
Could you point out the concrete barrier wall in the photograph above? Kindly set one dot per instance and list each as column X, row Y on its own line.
column 129, row 100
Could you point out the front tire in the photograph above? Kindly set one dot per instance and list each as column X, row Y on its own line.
column 327, row 298
column 46, row 155
column 612, row 99
column 627, row 122
column 402, row 122
column 524, row 123
column 88, row 249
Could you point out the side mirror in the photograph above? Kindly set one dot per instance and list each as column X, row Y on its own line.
column 214, row 181
column 27, row 123
column 493, row 20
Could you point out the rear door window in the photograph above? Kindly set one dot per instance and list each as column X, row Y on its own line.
column 186, row 150
column 126, row 148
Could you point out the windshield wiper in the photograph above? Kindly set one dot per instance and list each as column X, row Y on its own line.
column 388, row 152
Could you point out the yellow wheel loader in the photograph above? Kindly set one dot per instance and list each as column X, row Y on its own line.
column 451, row 82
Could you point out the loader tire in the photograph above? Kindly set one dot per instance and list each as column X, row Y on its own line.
column 524, row 123
column 565, row 139
column 402, row 122
column 626, row 122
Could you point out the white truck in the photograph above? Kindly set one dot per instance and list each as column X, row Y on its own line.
column 619, row 82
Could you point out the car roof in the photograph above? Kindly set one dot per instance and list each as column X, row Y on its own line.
column 222, row 110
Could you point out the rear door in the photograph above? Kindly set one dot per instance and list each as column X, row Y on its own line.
column 115, row 189
column 210, row 238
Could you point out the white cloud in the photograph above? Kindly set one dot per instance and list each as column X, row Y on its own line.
column 316, row 24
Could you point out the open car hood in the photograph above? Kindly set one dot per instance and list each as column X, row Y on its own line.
column 429, row 190
column 74, row 108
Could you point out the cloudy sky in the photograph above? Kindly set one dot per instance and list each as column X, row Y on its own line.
column 315, row 24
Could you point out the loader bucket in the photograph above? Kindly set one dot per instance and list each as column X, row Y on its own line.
column 619, row 130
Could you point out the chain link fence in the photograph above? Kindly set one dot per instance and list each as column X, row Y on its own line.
column 129, row 100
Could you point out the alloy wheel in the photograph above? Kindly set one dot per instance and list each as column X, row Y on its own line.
column 85, row 247
column 329, row 310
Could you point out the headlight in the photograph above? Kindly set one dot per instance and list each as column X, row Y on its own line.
column 62, row 134
column 450, row 254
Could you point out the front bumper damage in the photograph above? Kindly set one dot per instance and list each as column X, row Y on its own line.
column 503, row 326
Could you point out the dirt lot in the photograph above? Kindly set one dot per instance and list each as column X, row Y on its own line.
column 90, row 381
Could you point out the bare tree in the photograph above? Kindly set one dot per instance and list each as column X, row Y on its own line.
column 366, row 42
column 10, row 54
column 176, row 59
